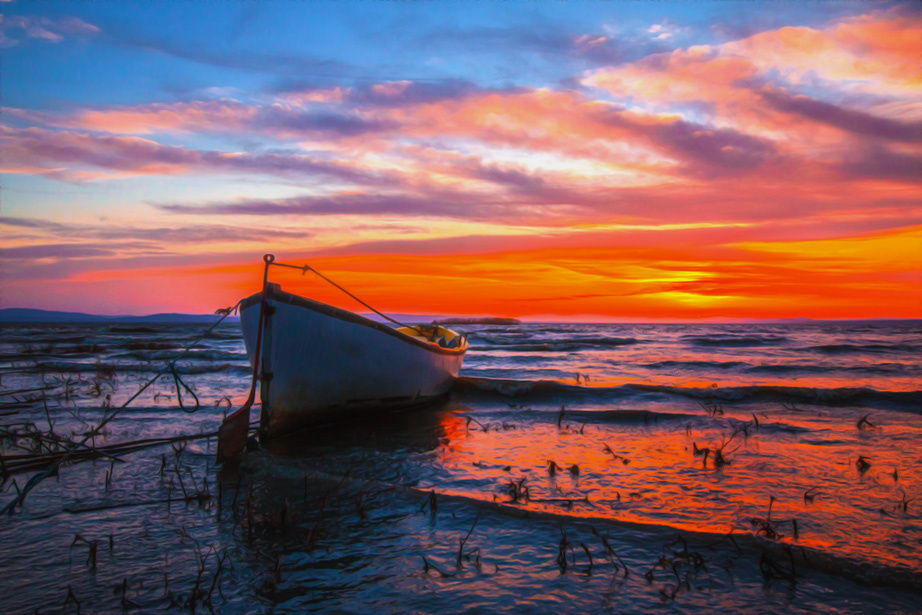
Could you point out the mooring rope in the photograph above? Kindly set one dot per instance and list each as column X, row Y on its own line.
column 180, row 385
column 307, row 268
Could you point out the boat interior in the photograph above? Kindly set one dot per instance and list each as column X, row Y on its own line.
column 434, row 334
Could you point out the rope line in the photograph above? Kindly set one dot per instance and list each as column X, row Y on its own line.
column 180, row 385
column 307, row 268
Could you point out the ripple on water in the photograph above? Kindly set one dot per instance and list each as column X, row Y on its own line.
column 340, row 519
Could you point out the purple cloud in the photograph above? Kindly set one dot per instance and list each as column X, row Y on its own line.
column 391, row 93
column 223, row 116
column 881, row 163
column 44, row 148
column 725, row 149
column 58, row 250
column 705, row 149
column 318, row 122
column 350, row 204
column 857, row 122
column 203, row 233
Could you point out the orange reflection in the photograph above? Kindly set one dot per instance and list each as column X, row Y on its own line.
column 647, row 472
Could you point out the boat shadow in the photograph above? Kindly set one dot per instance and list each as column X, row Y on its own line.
column 415, row 429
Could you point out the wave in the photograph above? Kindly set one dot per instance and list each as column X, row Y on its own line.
column 122, row 329
column 192, row 355
column 820, row 442
column 150, row 345
column 556, row 392
column 63, row 367
column 774, row 368
column 215, row 355
column 876, row 369
column 617, row 416
column 553, row 345
column 218, row 334
column 701, row 364
column 863, row 348
column 791, row 369
column 73, row 353
column 41, row 337
column 733, row 341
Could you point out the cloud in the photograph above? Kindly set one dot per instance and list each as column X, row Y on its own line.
column 169, row 236
column 457, row 205
column 60, row 250
column 224, row 116
column 318, row 123
column 875, row 52
column 451, row 149
column 857, row 122
column 453, row 164
column 749, row 112
column 664, row 30
column 566, row 123
column 882, row 163
column 252, row 61
column 137, row 156
column 378, row 94
column 530, row 37
column 780, row 195
column 15, row 29
column 720, row 148
column 703, row 148
column 696, row 74
column 544, row 40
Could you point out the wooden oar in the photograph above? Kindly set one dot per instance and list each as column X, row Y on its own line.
column 232, row 434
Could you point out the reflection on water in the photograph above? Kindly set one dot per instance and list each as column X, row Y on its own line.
column 554, row 492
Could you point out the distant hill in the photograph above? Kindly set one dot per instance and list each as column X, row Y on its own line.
column 486, row 320
column 30, row 315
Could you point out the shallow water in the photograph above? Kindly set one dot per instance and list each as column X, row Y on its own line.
column 341, row 519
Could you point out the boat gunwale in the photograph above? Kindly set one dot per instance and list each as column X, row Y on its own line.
column 274, row 292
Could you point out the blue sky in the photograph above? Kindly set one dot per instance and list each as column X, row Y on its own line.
column 160, row 50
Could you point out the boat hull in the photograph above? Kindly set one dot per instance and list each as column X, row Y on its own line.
column 320, row 363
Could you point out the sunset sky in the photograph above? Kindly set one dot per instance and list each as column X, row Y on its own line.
column 544, row 160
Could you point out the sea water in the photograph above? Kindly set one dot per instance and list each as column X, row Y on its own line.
column 574, row 468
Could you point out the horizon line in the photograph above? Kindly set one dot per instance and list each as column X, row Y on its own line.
column 584, row 319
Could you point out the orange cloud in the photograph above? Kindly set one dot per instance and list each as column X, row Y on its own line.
column 147, row 119
column 876, row 53
column 695, row 74
column 880, row 48
column 858, row 277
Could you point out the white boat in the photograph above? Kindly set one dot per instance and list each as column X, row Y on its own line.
column 320, row 363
